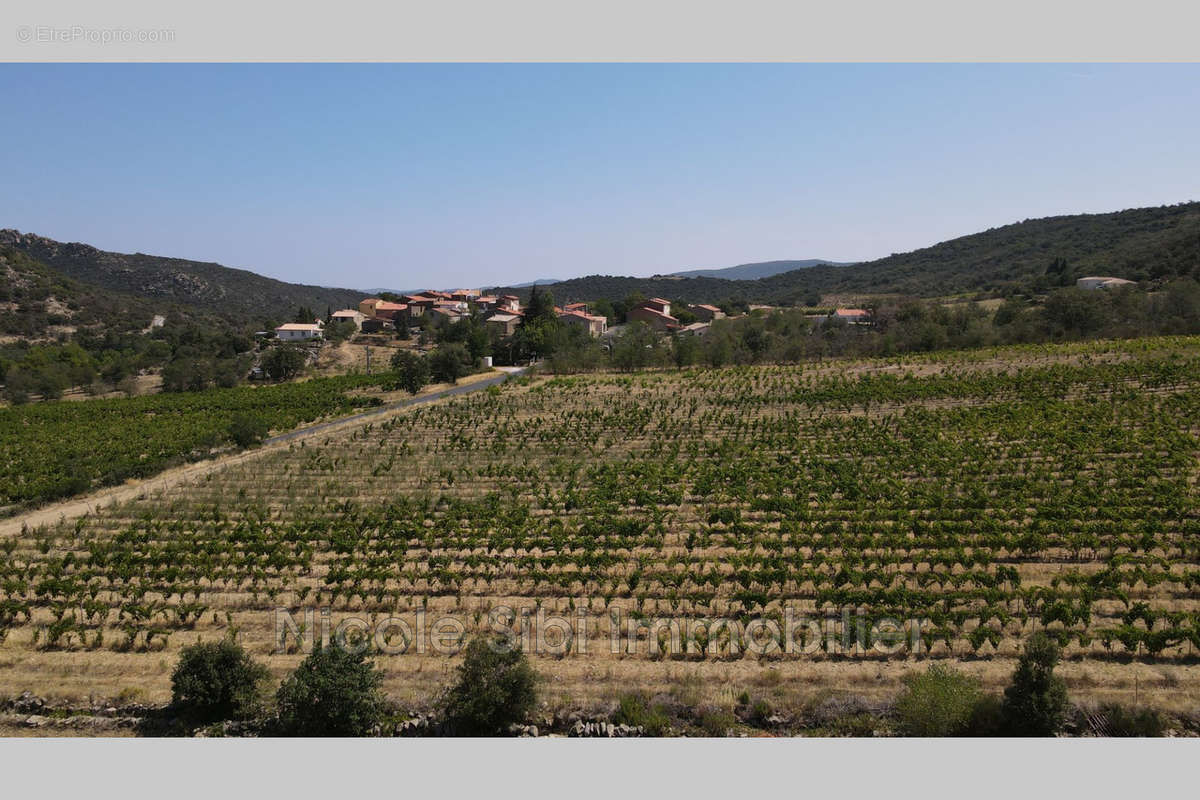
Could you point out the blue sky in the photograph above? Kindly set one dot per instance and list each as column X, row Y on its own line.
column 445, row 175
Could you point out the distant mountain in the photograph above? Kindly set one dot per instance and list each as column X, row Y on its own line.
column 1138, row 244
column 538, row 282
column 234, row 293
column 761, row 269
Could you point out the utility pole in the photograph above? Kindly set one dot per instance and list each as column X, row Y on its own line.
column 368, row 349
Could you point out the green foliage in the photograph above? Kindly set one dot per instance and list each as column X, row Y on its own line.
column 636, row 710
column 334, row 692
column 412, row 370
column 496, row 688
column 938, row 702
column 1035, row 703
column 449, row 362
column 638, row 347
column 59, row 449
column 247, row 430
column 1129, row 722
column 716, row 722
column 283, row 362
column 215, row 681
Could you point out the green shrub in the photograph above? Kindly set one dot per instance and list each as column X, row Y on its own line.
column 247, row 430
column 283, row 362
column 716, row 722
column 496, row 687
column 937, row 702
column 635, row 710
column 412, row 370
column 449, row 362
column 334, row 692
column 216, row 681
column 1035, row 704
column 1122, row 721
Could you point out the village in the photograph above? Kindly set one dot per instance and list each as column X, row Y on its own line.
column 503, row 314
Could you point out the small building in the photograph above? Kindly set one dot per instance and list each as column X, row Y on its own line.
column 485, row 302
column 593, row 324
column 652, row 316
column 465, row 295
column 367, row 307
column 695, row 329
column 300, row 331
column 376, row 325
column 853, row 316
column 1101, row 282
column 386, row 310
column 503, row 324
column 577, row 307
column 659, row 305
column 705, row 312
column 445, row 312
column 349, row 315
column 510, row 303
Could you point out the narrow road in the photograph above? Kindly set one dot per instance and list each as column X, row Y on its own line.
column 90, row 503
column 303, row 433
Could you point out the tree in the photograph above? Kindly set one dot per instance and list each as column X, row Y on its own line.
column 216, row 681
column 1036, row 701
column 938, row 702
column 282, row 363
column 496, row 687
column 334, row 692
column 247, row 430
column 636, row 347
column 412, row 370
column 305, row 314
column 449, row 362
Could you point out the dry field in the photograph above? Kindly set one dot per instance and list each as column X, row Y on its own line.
column 975, row 497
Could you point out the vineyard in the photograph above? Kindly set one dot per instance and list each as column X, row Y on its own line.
column 985, row 495
column 55, row 450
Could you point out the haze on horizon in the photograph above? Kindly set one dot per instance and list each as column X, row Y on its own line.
column 410, row 175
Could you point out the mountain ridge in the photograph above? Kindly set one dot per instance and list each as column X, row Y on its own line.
column 207, row 285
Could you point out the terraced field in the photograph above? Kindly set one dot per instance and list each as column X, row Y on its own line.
column 961, row 500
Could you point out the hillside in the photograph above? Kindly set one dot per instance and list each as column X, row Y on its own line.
column 230, row 292
column 1138, row 244
column 38, row 302
column 761, row 269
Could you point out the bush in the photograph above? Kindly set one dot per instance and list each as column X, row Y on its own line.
column 716, row 722
column 1120, row 721
column 496, row 687
column 1035, row 704
column 449, row 362
column 937, row 702
column 216, row 681
column 282, row 363
column 633, row 709
column 247, row 430
column 412, row 370
column 334, row 692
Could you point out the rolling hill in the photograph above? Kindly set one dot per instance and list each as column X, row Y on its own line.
column 761, row 269
column 234, row 293
column 1139, row 244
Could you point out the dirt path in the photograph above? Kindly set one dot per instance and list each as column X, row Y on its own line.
column 132, row 490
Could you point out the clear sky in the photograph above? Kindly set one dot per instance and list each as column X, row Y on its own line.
column 405, row 176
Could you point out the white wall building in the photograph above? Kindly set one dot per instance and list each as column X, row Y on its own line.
column 300, row 331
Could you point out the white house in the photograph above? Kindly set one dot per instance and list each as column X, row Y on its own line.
column 349, row 315
column 1100, row 282
column 300, row 331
